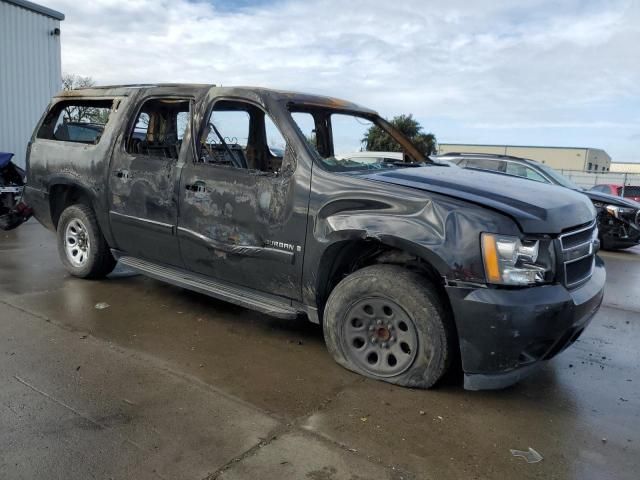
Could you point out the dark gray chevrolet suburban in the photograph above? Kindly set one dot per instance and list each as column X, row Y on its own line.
column 254, row 196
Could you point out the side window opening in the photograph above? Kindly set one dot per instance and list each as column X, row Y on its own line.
column 159, row 128
column 315, row 129
column 78, row 121
column 307, row 126
column 241, row 135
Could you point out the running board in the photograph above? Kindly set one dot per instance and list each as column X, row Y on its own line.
column 247, row 298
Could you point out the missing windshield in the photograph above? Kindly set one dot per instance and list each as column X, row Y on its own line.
column 346, row 141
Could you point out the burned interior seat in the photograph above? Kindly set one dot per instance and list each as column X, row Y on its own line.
column 161, row 139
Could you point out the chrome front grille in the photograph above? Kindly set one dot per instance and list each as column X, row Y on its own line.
column 578, row 254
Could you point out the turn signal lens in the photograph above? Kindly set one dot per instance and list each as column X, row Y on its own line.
column 490, row 254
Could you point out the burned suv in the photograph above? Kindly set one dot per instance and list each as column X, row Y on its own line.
column 252, row 196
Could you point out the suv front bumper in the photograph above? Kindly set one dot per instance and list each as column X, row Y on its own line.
column 505, row 334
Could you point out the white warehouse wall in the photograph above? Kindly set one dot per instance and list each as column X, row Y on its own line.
column 30, row 74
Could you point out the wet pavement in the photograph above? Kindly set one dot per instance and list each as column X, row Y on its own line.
column 165, row 383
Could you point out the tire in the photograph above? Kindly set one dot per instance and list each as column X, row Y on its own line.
column 97, row 261
column 417, row 319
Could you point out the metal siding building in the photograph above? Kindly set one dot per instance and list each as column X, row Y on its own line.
column 30, row 71
column 561, row 158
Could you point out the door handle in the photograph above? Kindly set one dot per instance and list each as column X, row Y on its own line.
column 124, row 174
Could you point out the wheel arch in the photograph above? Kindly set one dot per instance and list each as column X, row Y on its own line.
column 64, row 192
column 349, row 255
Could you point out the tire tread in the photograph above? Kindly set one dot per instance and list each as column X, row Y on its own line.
column 417, row 291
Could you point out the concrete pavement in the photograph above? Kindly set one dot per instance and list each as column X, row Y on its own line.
column 165, row 383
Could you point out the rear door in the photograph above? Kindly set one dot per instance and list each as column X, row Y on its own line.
column 144, row 177
column 243, row 202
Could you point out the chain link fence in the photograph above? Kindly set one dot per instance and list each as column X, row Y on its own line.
column 587, row 180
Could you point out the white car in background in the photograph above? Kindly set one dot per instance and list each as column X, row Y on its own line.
column 373, row 157
column 384, row 157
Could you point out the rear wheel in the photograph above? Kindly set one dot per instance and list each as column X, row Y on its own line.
column 81, row 245
column 388, row 323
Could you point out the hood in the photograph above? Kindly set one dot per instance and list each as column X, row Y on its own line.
column 610, row 199
column 536, row 207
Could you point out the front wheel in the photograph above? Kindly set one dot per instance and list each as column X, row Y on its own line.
column 388, row 323
column 81, row 245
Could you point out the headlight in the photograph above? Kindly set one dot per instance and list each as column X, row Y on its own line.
column 618, row 211
column 512, row 261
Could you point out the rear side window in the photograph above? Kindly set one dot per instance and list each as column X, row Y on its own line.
column 78, row 121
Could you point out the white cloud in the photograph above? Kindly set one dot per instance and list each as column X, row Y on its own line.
column 471, row 63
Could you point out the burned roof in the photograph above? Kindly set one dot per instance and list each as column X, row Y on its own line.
column 298, row 98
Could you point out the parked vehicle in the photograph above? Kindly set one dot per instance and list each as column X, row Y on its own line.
column 382, row 159
column 12, row 211
column 627, row 191
column 408, row 264
column 618, row 218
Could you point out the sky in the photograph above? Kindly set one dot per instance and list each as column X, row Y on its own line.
column 537, row 72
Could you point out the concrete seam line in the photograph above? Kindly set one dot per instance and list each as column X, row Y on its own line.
column 163, row 366
column 154, row 363
column 277, row 432
column 408, row 475
column 75, row 411
column 294, row 426
column 59, row 402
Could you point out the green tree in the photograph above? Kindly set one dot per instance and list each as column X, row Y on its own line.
column 377, row 140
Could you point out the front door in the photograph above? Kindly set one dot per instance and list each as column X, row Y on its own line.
column 243, row 202
column 144, row 178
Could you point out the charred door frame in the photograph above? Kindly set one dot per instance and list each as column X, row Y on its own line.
column 134, row 231
column 286, row 253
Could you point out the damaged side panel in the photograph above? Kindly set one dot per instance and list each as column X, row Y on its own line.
column 442, row 231
column 144, row 177
column 57, row 165
column 238, row 225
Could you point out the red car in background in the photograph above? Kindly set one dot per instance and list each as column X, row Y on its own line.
column 630, row 191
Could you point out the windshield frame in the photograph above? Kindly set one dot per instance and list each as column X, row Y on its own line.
column 324, row 113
